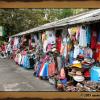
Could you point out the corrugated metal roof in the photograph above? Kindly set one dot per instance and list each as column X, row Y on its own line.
column 80, row 18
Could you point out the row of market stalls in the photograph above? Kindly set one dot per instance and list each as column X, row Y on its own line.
column 65, row 52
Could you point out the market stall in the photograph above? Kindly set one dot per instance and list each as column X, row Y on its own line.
column 69, row 58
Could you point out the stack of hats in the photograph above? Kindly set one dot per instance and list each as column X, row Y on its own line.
column 78, row 77
column 76, row 64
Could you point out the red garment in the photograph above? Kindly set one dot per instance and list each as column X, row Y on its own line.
column 52, row 69
column 93, row 40
column 98, row 52
column 58, row 43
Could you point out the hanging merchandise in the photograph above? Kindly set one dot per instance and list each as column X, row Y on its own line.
column 98, row 48
column 45, row 43
column 71, row 59
column 43, row 37
column 51, row 69
column 98, row 52
column 59, row 62
column 44, row 71
column 76, row 49
column 58, row 43
column 64, row 47
column 35, row 38
column 72, row 30
column 68, row 43
column 88, row 52
column 77, row 33
column 51, row 37
column 93, row 39
column 88, row 34
column 82, row 37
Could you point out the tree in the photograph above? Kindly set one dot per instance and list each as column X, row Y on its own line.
column 18, row 20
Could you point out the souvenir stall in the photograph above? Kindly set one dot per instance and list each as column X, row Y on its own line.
column 83, row 63
column 24, row 54
column 69, row 58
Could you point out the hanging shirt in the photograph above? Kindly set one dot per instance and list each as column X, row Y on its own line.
column 58, row 44
column 82, row 38
column 93, row 39
column 51, row 37
column 76, row 51
column 88, row 35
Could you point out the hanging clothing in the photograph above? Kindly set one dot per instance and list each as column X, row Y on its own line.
column 88, row 34
column 38, row 69
column 88, row 52
column 50, row 37
column 44, row 70
column 98, row 52
column 82, row 38
column 93, row 39
column 64, row 47
column 59, row 61
column 45, row 46
column 19, row 59
column 51, row 69
column 26, row 62
column 71, row 59
column 76, row 51
column 35, row 38
column 77, row 33
column 58, row 43
column 43, row 37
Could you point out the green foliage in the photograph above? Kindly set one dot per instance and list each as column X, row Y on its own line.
column 18, row 20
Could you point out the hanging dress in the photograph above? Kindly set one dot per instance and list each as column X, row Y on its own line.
column 82, row 38
column 58, row 43
column 51, row 69
column 76, row 51
column 93, row 39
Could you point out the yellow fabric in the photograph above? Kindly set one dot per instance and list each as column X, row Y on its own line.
column 73, row 30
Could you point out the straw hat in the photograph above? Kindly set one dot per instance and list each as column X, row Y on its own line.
column 78, row 77
column 76, row 63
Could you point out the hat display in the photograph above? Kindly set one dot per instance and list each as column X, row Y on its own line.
column 54, row 49
column 76, row 63
column 73, row 71
column 78, row 77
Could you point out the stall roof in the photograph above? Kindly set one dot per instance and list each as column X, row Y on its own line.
column 89, row 16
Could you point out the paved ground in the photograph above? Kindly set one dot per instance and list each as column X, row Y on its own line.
column 15, row 78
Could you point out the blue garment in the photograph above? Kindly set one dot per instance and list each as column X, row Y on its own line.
column 45, row 71
column 81, row 51
column 38, row 69
column 26, row 62
column 71, row 57
column 88, row 35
